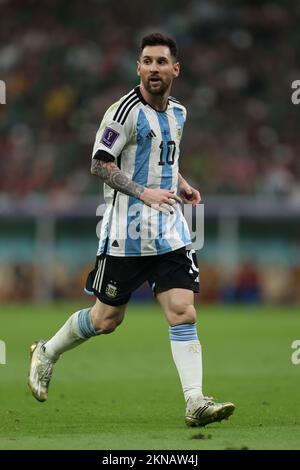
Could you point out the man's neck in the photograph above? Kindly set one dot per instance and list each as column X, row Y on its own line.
column 158, row 102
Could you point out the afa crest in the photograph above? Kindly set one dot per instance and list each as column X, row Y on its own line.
column 111, row 291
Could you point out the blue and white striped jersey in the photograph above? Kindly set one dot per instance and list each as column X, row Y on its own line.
column 145, row 144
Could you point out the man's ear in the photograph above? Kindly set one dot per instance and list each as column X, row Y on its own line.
column 176, row 69
column 138, row 66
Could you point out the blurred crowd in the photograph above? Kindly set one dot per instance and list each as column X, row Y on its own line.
column 65, row 62
column 247, row 283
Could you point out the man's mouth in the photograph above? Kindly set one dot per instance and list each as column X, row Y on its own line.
column 154, row 80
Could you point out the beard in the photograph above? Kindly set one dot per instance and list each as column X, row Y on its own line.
column 158, row 88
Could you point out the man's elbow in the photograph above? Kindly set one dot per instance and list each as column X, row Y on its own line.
column 101, row 169
column 96, row 167
column 93, row 170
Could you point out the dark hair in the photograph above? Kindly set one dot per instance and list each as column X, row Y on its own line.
column 158, row 39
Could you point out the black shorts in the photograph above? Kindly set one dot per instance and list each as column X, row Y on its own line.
column 114, row 278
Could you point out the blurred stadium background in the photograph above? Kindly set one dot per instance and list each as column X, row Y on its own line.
column 64, row 62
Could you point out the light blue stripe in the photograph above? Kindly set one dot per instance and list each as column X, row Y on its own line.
column 184, row 332
column 161, row 244
column 183, row 327
column 85, row 325
column 180, row 227
column 188, row 338
column 101, row 246
column 140, row 176
column 179, row 115
column 102, row 240
column 182, row 230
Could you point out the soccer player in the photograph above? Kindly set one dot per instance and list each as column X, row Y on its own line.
column 144, row 236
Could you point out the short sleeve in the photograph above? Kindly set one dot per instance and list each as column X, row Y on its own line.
column 112, row 136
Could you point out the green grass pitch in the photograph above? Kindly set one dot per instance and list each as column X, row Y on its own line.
column 121, row 391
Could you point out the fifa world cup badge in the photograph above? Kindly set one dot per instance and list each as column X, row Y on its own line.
column 111, row 291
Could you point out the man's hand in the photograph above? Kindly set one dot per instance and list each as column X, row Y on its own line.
column 160, row 199
column 188, row 194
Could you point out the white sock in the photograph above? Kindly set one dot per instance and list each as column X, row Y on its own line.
column 77, row 329
column 187, row 355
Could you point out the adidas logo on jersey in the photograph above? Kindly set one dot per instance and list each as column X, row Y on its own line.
column 150, row 134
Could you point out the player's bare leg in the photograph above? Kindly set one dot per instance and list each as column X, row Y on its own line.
column 106, row 318
column 178, row 306
column 82, row 325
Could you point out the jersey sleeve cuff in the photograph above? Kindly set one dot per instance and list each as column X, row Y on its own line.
column 104, row 156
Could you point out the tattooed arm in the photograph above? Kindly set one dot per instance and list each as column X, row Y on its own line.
column 116, row 179
column 111, row 174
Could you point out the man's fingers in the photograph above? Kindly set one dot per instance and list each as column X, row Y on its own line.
column 162, row 196
column 194, row 198
column 163, row 207
column 169, row 200
column 173, row 195
column 198, row 196
column 166, row 208
column 172, row 201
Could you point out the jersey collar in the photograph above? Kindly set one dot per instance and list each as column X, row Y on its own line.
column 142, row 99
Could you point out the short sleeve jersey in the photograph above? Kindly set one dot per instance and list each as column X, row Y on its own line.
column 145, row 145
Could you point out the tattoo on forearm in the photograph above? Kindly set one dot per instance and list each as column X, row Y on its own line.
column 115, row 178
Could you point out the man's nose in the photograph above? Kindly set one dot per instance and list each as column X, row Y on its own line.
column 154, row 66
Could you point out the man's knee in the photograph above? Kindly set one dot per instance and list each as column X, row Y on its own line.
column 104, row 325
column 108, row 325
column 182, row 312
